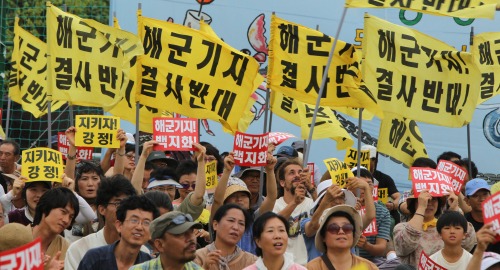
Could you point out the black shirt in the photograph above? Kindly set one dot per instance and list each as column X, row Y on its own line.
column 385, row 181
column 477, row 226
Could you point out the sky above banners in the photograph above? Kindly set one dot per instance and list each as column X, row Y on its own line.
column 245, row 25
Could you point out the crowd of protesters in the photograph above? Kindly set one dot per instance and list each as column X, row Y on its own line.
column 156, row 213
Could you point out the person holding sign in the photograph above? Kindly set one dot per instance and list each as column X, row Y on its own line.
column 339, row 230
column 234, row 190
column 372, row 243
column 56, row 210
column 481, row 259
column 420, row 233
column 30, row 192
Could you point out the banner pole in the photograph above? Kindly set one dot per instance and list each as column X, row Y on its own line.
column 266, row 115
column 322, row 87
column 137, row 106
column 469, row 152
column 7, row 124
column 360, row 132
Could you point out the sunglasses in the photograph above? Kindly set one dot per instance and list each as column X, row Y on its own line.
column 186, row 186
column 335, row 229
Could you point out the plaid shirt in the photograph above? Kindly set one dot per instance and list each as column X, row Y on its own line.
column 155, row 264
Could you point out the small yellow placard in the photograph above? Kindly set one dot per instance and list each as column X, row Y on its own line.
column 97, row 131
column 42, row 164
column 211, row 174
column 339, row 171
column 383, row 195
column 351, row 158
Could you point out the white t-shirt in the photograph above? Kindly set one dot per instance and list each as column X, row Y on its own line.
column 296, row 244
column 77, row 249
column 458, row 265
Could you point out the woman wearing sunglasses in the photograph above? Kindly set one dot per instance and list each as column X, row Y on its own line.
column 229, row 223
column 270, row 232
column 339, row 231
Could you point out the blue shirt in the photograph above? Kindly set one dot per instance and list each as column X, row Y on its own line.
column 155, row 264
column 104, row 258
column 312, row 252
column 246, row 242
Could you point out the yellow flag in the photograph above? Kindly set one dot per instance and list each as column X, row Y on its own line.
column 297, row 58
column 299, row 113
column 89, row 62
column 417, row 76
column 126, row 107
column 401, row 139
column 28, row 76
column 452, row 8
column 195, row 73
column 42, row 164
column 485, row 50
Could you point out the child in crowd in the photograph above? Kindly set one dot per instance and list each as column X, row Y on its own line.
column 452, row 227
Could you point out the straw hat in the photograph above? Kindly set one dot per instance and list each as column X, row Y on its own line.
column 14, row 235
column 235, row 185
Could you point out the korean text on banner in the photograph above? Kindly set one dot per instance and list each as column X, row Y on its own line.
column 211, row 174
column 250, row 149
column 452, row 8
column 437, row 183
column 126, row 108
column 177, row 134
column 383, row 195
column 277, row 138
column 339, row 171
column 89, row 61
column 42, row 164
column 375, row 193
column 310, row 166
column 82, row 153
column 400, row 138
column 491, row 213
column 97, row 131
column 195, row 72
column 372, row 228
column 25, row 257
column 485, row 49
column 28, row 76
column 299, row 113
column 456, row 172
column 417, row 76
column 297, row 58
column 351, row 158
column 425, row 263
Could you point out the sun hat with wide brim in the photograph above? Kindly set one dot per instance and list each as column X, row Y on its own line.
column 323, row 186
column 234, row 185
column 351, row 211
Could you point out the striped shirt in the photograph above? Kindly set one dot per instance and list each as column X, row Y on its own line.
column 383, row 226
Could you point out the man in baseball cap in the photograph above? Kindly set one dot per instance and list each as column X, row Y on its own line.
column 174, row 237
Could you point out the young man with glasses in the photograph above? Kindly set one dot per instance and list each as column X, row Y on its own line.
column 109, row 195
column 174, row 237
column 134, row 215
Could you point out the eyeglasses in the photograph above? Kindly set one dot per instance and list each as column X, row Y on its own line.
column 164, row 189
column 135, row 222
column 335, row 229
column 186, row 186
column 210, row 158
column 116, row 204
column 130, row 156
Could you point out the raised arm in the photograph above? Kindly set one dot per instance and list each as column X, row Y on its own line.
column 120, row 157
column 71, row 158
column 354, row 183
column 222, row 185
column 271, row 187
column 485, row 236
column 201, row 178
column 138, row 175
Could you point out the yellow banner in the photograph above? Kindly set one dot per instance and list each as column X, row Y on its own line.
column 452, row 8
column 28, row 77
column 89, row 62
column 97, row 131
column 195, row 73
column 401, row 139
column 485, row 50
column 42, row 164
column 417, row 76
column 351, row 158
column 126, row 108
column 299, row 113
column 297, row 57
column 211, row 173
column 339, row 171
